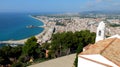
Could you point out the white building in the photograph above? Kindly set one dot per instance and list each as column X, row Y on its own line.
column 104, row 53
column 100, row 34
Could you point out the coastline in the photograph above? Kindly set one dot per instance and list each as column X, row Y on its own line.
column 46, row 34
column 22, row 41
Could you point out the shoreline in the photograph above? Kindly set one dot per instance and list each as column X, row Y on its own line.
column 22, row 41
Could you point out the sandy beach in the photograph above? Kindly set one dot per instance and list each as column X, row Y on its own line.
column 39, row 36
column 71, row 24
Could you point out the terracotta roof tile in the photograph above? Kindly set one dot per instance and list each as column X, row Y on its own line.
column 109, row 48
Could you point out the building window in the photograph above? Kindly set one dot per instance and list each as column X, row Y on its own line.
column 99, row 33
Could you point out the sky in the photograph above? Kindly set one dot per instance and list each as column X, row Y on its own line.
column 58, row 5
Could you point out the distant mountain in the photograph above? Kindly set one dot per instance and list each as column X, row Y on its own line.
column 100, row 12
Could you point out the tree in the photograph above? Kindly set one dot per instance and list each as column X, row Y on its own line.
column 80, row 48
column 46, row 46
column 24, row 58
column 4, row 59
column 7, row 50
column 29, row 49
column 86, row 37
column 17, row 64
column 76, row 61
column 16, row 52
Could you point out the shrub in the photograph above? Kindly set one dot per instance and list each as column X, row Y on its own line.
column 17, row 64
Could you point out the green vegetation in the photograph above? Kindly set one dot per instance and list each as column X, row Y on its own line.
column 17, row 64
column 86, row 38
column 61, row 44
column 31, row 48
column 68, row 42
column 9, row 54
column 115, row 25
column 60, row 24
column 76, row 61
column 20, row 56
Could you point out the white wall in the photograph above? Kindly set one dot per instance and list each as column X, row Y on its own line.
column 85, row 63
column 101, row 31
column 96, row 57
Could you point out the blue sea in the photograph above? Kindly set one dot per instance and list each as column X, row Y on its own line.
column 13, row 26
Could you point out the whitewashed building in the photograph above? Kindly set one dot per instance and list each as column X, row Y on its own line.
column 100, row 34
column 104, row 53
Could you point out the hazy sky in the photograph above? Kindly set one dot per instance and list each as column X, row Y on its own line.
column 58, row 5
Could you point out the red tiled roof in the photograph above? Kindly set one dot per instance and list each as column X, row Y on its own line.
column 109, row 48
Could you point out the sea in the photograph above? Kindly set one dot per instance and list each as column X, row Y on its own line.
column 13, row 26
